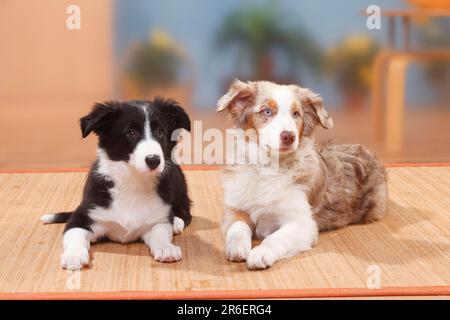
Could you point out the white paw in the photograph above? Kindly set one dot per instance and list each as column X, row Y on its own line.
column 178, row 225
column 237, row 251
column 261, row 257
column 169, row 253
column 47, row 218
column 75, row 258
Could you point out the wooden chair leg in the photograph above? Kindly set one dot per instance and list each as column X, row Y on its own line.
column 378, row 93
column 395, row 95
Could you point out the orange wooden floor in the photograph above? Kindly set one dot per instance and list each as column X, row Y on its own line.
column 410, row 248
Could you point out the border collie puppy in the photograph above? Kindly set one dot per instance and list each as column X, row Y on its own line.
column 133, row 191
column 315, row 188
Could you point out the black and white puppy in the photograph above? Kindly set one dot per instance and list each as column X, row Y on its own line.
column 133, row 191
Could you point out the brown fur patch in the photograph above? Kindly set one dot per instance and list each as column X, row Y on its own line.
column 239, row 107
column 237, row 101
column 310, row 120
column 233, row 215
column 272, row 104
column 296, row 107
column 353, row 188
column 314, row 112
column 242, row 216
column 258, row 120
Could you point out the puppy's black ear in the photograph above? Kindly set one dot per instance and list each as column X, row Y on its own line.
column 176, row 117
column 100, row 115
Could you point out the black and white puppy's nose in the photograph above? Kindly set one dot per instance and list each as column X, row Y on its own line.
column 152, row 161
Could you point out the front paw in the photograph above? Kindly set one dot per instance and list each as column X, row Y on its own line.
column 261, row 257
column 75, row 258
column 238, row 251
column 169, row 253
column 178, row 225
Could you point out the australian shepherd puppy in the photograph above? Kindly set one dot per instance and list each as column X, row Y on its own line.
column 316, row 187
column 134, row 191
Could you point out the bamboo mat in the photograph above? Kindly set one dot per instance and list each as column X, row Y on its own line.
column 411, row 247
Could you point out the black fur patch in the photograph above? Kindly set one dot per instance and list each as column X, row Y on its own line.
column 95, row 194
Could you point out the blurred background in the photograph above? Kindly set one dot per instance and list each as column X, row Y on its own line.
column 387, row 88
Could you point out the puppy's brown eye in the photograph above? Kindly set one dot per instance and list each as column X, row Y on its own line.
column 131, row 133
column 159, row 132
column 296, row 114
column 267, row 112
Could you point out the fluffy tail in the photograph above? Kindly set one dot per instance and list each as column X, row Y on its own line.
column 60, row 217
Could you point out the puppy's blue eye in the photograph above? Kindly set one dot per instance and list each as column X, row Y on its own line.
column 267, row 112
column 296, row 114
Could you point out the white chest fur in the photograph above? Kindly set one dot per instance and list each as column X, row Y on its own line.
column 256, row 191
column 135, row 206
column 253, row 190
column 130, row 215
column 268, row 199
column 273, row 199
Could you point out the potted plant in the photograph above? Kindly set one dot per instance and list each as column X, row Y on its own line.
column 349, row 63
column 260, row 32
column 154, row 68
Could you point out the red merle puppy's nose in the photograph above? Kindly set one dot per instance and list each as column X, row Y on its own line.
column 287, row 137
column 152, row 161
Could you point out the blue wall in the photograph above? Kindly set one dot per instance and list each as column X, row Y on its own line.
column 194, row 23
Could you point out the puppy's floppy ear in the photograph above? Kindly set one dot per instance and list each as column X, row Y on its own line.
column 239, row 97
column 176, row 117
column 100, row 115
column 314, row 111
